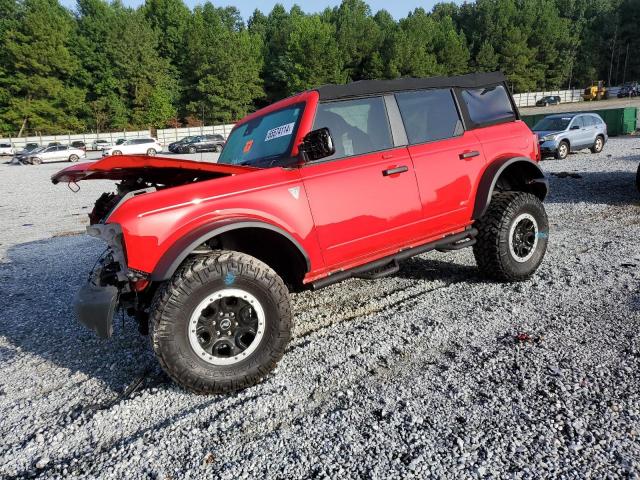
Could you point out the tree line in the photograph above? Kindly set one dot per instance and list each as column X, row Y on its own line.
column 104, row 66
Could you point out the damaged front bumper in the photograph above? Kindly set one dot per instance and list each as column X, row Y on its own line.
column 97, row 301
column 95, row 307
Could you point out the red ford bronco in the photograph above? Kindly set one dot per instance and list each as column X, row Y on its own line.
column 337, row 182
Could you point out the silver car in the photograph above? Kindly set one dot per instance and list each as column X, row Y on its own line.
column 569, row 132
column 55, row 153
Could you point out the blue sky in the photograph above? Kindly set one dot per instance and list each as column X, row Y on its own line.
column 397, row 8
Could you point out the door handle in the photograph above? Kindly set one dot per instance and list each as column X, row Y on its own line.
column 466, row 155
column 395, row 170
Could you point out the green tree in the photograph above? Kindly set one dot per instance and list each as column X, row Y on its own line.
column 223, row 65
column 311, row 57
column 39, row 70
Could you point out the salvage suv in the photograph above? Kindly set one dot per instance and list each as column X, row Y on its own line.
column 336, row 182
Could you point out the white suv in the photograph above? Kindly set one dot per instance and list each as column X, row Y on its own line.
column 135, row 146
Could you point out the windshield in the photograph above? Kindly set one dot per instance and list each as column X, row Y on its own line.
column 552, row 124
column 263, row 140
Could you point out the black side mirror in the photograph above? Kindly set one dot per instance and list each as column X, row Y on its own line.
column 317, row 144
column 575, row 127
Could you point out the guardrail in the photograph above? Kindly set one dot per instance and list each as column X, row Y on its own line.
column 529, row 99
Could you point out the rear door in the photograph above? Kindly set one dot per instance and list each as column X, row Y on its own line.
column 579, row 133
column 447, row 160
column 364, row 199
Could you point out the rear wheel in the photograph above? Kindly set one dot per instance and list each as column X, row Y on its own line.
column 218, row 148
column 36, row 161
column 116, row 152
column 512, row 238
column 192, row 149
column 73, row 158
column 221, row 323
column 598, row 145
column 151, row 152
column 563, row 150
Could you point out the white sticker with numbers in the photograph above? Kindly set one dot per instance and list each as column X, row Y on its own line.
column 281, row 131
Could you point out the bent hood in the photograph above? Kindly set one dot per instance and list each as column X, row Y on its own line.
column 154, row 169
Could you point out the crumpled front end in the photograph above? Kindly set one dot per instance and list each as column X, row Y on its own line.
column 98, row 300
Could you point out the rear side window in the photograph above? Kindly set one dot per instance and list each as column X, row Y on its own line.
column 488, row 105
column 577, row 122
column 589, row 120
column 429, row 115
column 357, row 126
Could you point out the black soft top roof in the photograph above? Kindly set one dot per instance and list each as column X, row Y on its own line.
column 370, row 87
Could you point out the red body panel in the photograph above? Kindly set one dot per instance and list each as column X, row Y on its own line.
column 343, row 213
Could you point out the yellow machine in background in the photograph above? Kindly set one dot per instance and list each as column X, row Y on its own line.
column 595, row 91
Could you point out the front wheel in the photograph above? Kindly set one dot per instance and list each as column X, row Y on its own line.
column 563, row 150
column 192, row 149
column 73, row 158
column 116, row 152
column 36, row 161
column 221, row 323
column 598, row 145
column 512, row 238
column 151, row 152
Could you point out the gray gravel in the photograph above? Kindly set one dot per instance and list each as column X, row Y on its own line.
column 431, row 372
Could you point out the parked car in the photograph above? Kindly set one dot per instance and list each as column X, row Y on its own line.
column 101, row 144
column 173, row 147
column 201, row 143
column 336, row 182
column 6, row 149
column 569, row 132
column 79, row 144
column 30, row 148
column 56, row 153
column 135, row 146
column 548, row 100
column 632, row 90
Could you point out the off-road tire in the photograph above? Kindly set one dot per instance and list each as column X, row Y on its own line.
column 492, row 249
column 598, row 144
column 638, row 179
column 176, row 300
column 562, row 153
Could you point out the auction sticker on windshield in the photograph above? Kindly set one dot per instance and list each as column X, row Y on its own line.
column 281, row 131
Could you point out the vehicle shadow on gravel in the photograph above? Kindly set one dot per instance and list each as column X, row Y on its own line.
column 434, row 269
column 610, row 188
column 38, row 281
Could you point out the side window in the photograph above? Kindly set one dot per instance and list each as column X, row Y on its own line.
column 357, row 126
column 577, row 121
column 488, row 105
column 429, row 115
column 589, row 121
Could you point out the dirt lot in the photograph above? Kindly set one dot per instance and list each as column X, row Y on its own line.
column 432, row 372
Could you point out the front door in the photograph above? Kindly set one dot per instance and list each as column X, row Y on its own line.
column 364, row 199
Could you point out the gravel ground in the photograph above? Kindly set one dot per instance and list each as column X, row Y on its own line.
column 431, row 372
